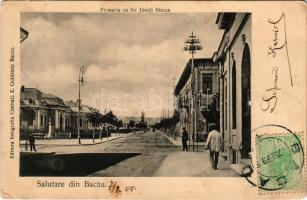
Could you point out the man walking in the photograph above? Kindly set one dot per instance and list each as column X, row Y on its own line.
column 215, row 140
column 185, row 138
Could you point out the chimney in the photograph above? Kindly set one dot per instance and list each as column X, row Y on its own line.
column 22, row 89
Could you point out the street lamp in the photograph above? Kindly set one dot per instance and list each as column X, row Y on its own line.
column 80, row 82
column 193, row 45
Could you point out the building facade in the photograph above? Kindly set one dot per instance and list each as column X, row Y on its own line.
column 190, row 107
column 43, row 113
column 85, row 125
column 223, row 89
column 234, row 59
column 59, row 115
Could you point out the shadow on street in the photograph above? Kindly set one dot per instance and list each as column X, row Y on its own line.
column 78, row 164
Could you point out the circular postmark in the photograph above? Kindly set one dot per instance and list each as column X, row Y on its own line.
column 279, row 158
column 274, row 157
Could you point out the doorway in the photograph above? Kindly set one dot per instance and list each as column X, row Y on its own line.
column 246, row 97
column 61, row 122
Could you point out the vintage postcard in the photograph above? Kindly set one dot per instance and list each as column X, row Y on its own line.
column 153, row 99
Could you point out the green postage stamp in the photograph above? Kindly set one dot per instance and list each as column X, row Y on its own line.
column 280, row 162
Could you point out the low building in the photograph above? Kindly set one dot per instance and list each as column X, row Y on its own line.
column 44, row 114
column 48, row 116
column 86, row 126
column 234, row 60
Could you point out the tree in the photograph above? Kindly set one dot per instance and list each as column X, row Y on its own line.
column 131, row 124
column 212, row 115
column 111, row 118
column 142, row 124
column 96, row 119
column 142, row 118
column 168, row 123
column 119, row 123
column 27, row 115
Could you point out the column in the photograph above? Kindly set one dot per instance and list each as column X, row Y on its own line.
column 56, row 119
column 64, row 121
column 38, row 119
column 221, row 88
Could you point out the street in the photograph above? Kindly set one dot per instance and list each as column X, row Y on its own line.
column 139, row 154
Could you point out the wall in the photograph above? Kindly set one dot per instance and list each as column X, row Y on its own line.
column 233, row 136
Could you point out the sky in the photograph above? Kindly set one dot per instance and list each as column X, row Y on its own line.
column 132, row 61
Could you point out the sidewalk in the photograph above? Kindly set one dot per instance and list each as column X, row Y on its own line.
column 177, row 141
column 73, row 142
column 193, row 164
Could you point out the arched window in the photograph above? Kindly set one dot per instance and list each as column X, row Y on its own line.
column 234, row 95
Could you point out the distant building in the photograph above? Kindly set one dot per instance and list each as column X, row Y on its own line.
column 206, row 86
column 234, row 60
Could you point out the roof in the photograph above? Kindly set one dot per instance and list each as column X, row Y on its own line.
column 73, row 105
column 49, row 96
column 53, row 100
column 187, row 72
column 30, row 93
column 224, row 20
column 32, row 103
column 31, row 97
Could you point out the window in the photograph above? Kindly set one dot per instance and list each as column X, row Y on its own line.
column 42, row 120
column 80, row 122
column 45, row 120
column 207, row 84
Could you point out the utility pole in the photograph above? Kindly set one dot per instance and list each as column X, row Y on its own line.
column 80, row 82
column 193, row 45
column 173, row 95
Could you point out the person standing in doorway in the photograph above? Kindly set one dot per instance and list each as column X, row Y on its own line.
column 185, row 137
column 32, row 142
column 215, row 140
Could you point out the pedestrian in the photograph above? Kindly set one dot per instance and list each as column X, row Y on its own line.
column 32, row 142
column 215, row 143
column 185, row 137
